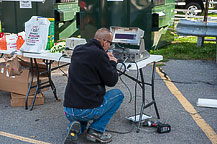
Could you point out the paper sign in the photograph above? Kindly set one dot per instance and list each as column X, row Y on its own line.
column 7, row 73
column 13, row 77
column 25, row 4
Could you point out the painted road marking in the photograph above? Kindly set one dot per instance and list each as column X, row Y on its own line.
column 210, row 133
column 22, row 138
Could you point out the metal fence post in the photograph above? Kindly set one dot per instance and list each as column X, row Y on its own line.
column 216, row 48
column 199, row 41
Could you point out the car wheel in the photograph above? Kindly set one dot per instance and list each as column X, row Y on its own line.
column 191, row 7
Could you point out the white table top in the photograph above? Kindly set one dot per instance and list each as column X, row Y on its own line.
column 57, row 57
column 5, row 52
column 47, row 56
column 143, row 63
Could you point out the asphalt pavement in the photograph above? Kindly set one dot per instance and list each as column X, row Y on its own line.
column 193, row 79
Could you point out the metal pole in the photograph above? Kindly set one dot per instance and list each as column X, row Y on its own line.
column 206, row 11
column 205, row 16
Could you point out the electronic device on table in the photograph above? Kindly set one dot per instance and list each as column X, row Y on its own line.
column 71, row 43
column 128, row 44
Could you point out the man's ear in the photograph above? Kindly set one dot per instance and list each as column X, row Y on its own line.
column 103, row 43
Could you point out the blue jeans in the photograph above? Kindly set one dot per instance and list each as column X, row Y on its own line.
column 100, row 115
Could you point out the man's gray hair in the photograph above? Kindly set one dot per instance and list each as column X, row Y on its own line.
column 102, row 33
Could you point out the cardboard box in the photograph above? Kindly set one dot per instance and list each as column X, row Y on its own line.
column 19, row 83
column 18, row 100
column 26, row 63
column 27, row 60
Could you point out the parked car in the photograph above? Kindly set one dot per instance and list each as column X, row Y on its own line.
column 190, row 5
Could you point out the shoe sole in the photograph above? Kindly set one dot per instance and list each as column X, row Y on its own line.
column 74, row 129
column 95, row 139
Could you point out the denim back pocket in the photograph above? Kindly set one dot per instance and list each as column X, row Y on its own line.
column 84, row 114
column 68, row 113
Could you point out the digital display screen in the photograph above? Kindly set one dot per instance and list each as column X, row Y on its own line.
column 125, row 36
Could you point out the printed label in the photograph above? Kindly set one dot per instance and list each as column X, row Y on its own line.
column 2, row 70
column 25, row 4
column 7, row 74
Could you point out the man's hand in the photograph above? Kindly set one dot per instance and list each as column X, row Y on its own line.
column 111, row 57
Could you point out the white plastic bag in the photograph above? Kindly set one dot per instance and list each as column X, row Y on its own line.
column 11, row 42
column 36, row 30
column 23, row 34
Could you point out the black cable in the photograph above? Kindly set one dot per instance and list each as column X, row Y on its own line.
column 120, row 73
column 149, row 131
column 141, row 97
column 133, row 126
column 127, row 89
column 58, row 63
column 125, row 68
column 1, row 55
column 118, row 132
column 165, row 75
column 198, row 112
column 194, row 82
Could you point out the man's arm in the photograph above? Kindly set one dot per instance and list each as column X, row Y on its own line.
column 111, row 57
column 107, row 69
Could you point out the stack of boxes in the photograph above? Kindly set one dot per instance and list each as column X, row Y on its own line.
column 18, row 85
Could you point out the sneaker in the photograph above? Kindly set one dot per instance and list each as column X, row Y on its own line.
column 96, row 136
column 72, row 136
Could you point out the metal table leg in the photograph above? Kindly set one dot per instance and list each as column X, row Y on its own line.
column 41, row 85
column 48, row 67
column 152, row 86
column 143, row 100
column 143, row 106
column 30, row 84
column 37, row 85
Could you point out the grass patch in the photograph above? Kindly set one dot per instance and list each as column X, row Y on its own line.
column 186, row 48
column 212, row 15
column 160, row 64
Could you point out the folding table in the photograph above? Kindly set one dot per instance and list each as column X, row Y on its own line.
column 138, row 66
column 49, row 58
